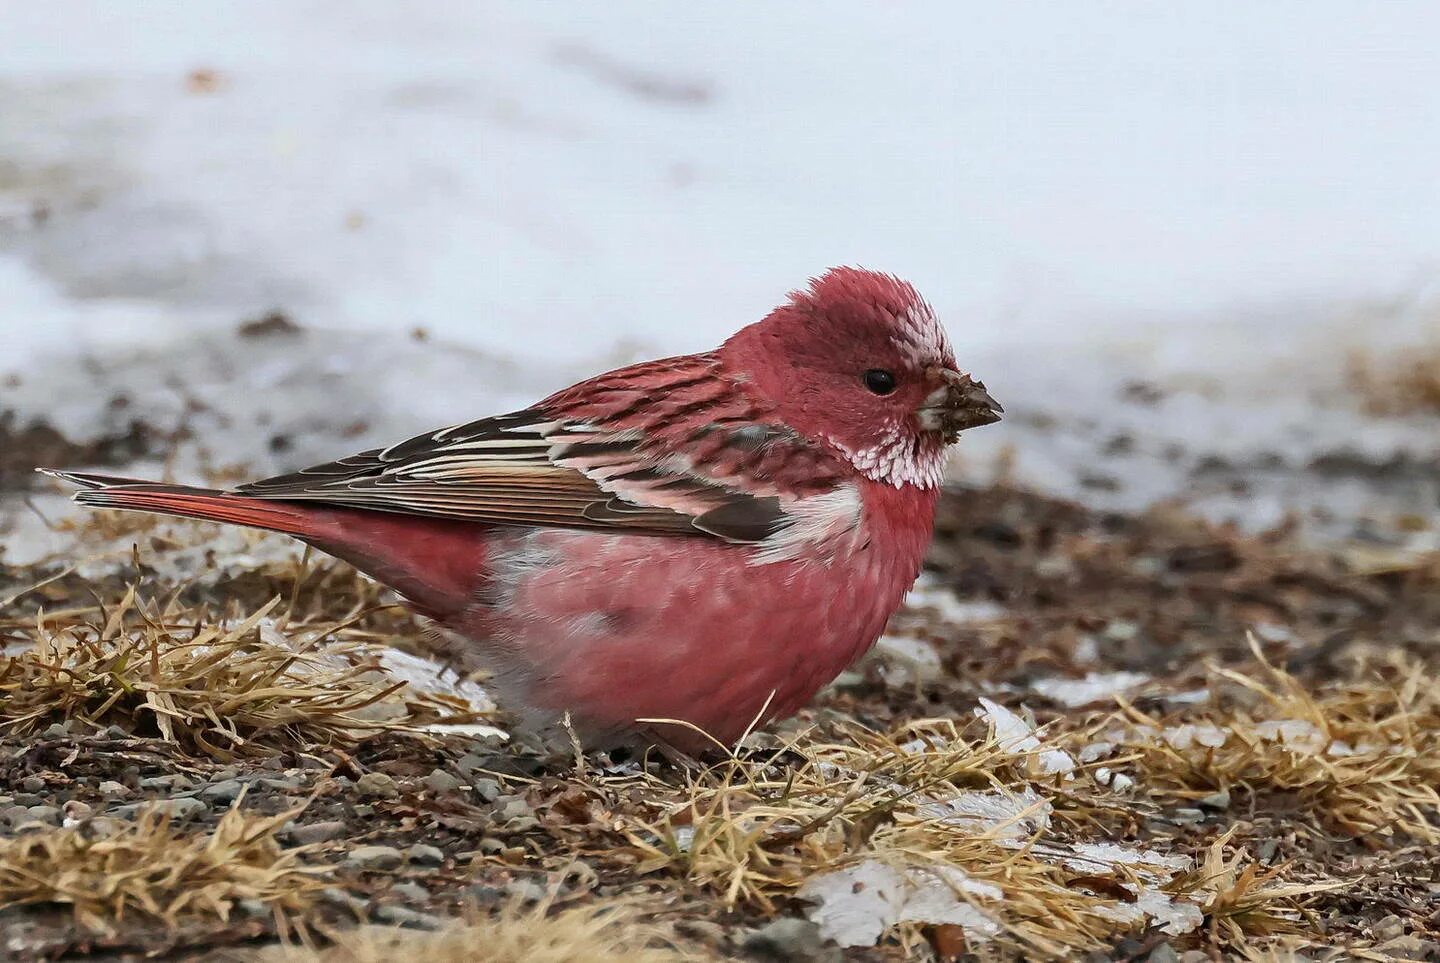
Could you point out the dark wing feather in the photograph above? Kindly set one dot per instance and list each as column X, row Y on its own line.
column 529, row 468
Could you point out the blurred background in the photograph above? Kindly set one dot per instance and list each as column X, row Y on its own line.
column 1194, row 249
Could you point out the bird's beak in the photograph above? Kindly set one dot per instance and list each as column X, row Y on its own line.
column 957, row 403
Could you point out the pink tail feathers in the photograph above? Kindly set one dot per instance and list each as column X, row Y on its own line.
column 437, row 563
column 107, row 491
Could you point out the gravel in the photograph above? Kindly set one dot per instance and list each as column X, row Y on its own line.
column 224, row 791
column 321, row 832
column 377, row 784
column 374, row 858
column 423, row 855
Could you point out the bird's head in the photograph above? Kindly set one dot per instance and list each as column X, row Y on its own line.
column 859, row 362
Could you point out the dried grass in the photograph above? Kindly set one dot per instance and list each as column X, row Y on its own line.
column 1400, row 384
column 753, row 835
column 1364, row 757
column 1242, row 899
column 596, row 933
column 148, row 868
column 222, row 687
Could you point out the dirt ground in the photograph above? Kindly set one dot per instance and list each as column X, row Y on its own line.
column 161, row 802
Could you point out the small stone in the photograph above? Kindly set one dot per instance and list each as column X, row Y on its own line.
column 489, row 845
column 181, row 810
column 110, row 789
column 49, row 815
column 220, row 775
column 424, row 855
column 511, row 807
column 323, row 832
column 75, row 812
column 1164, row 953
column 483, row 894
column 486, row 789
column 33, row 826
column 115, row 732
column 103, row 827
column 374, row 857
column 521, row 824
column 1389, row 928
column 224, row 791
column 283, row 783
column 472, row 761
column 32, row 784
column 336, row 896
column 413, row 892
column 440, row 782
column 398, row 915
column 57, row 730
column 377, row 784
column 790, row 938
column 1217, row 801
column 15, row 815
column 174, row 782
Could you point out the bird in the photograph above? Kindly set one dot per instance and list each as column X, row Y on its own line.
column 668, row 554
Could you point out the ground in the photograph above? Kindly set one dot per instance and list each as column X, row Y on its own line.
column 1129, row 736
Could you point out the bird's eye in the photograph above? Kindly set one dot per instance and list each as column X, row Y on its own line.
column 879, row 381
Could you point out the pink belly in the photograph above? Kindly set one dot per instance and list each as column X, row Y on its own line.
column 619, row 628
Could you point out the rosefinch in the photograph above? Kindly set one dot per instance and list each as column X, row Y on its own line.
column 707, row 538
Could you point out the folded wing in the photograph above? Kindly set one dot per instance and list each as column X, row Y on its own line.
column 686, row 455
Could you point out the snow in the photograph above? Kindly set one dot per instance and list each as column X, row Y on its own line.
column 549, row 180
column 1016, row 736
column 856, row 905
column 1095, row 687
column 1222, row 201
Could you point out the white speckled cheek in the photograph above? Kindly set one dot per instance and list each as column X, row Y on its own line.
column 894, row 460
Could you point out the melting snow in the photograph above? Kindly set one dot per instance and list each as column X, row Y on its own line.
column 855, row 906
column 1016, row 736
column 1095, row 687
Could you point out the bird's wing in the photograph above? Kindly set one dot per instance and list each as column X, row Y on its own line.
column 583, row 465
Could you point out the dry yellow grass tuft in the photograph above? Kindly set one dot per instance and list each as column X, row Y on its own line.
column 1407, row 384
column 150, row 869
column 1364, row 757
column 1242, row 899
column 596, row 933
column 224, row 687
column 940, row 828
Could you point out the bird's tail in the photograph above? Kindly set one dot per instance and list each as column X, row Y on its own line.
column 132, row 494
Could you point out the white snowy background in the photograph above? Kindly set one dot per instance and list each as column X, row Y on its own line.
column 1221, row 199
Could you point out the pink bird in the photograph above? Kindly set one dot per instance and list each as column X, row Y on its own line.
column 707, row 539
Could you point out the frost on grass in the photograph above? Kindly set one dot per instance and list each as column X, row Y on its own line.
column 148, row 868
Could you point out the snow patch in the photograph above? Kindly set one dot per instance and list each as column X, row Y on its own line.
column 857, row 905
